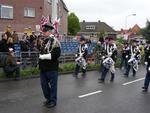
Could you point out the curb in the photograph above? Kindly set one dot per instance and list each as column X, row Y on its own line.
column 37, row 76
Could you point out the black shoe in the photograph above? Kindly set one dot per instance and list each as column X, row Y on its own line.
column 99, row 78
column 125, row 75
column 84, row 74
column 144, row 89
column 75, row 75
column 111, row 80
column 101, row 81
column 50, row 104
column 45, row 103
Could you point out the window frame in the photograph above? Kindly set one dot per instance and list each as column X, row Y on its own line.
column 6, row 6
column 29, row 9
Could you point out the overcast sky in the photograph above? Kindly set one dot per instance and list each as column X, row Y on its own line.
column 113, row 12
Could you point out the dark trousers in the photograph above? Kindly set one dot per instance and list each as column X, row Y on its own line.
column 128, row 70
column 77, row 69
column 104, row 73
column 9, row 70
column 49, row 85
column 147, row 79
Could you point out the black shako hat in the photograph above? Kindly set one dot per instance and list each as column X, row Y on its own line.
column 47, row 27
column 82, row 38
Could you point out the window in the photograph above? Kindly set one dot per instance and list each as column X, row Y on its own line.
column 29, row 12
column 6, row 12
column 90, row 27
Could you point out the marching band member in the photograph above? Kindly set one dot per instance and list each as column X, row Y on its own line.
column 147, row 63
column 48, row 64
column 81, row 57
column 108, row 61
column 124, row 60
column 133, row 57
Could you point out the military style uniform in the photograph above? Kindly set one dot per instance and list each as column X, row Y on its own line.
column 108, row 62
column 48, row 64
column 133, row 56
column 147, row 62
column 81, row 58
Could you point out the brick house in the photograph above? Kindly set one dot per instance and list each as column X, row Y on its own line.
column 94, row 28
column 21, row 14
column 131, row 33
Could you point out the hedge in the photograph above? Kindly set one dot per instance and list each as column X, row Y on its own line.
column 63, row 68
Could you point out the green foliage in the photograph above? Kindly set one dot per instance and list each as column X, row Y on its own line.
column 30, row 71
column 118, row 62
column 146, row 31
column 67, row 67
column 73, row 24
column 120, row 40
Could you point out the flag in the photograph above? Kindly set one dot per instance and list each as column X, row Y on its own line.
column 56, row 22
column 44, row 20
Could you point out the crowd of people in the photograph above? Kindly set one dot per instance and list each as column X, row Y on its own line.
column 27, row 42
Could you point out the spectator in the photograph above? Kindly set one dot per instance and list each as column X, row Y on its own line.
column 39, row 40
column 10, row 43
column 25, row 47
column 3, row 43
column 33, row 37
column 24, row 43
column 12, row 65
column 8, row 31
column 15, row 37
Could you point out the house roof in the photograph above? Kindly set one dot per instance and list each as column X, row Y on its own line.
column 136, row 28
column 99, row 27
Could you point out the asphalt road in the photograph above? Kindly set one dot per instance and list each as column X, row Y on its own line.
column 82, row 95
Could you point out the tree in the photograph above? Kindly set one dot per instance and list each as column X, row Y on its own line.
column 73, row 24
column 146, row 31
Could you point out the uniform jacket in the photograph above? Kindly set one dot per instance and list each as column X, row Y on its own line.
column 54, row 48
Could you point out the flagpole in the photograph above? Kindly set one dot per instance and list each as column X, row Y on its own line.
column 54, row 10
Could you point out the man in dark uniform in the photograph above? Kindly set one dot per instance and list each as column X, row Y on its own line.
column 147, row 63
column 108, row 61
column 48, row 64
column 133, row 52
column 81, row 57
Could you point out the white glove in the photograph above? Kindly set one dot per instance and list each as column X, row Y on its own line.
column 103, row 57
column 45, row 56
column 145, row 63
column 76, row 55
column 126, row 56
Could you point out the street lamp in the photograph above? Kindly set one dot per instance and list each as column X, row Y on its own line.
column 126, row 19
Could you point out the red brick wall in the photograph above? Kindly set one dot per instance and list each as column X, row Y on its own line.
column 19, row 22
column 42, row 7
column 63, row 22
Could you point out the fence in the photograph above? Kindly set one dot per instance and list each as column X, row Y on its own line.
column 31, row 58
